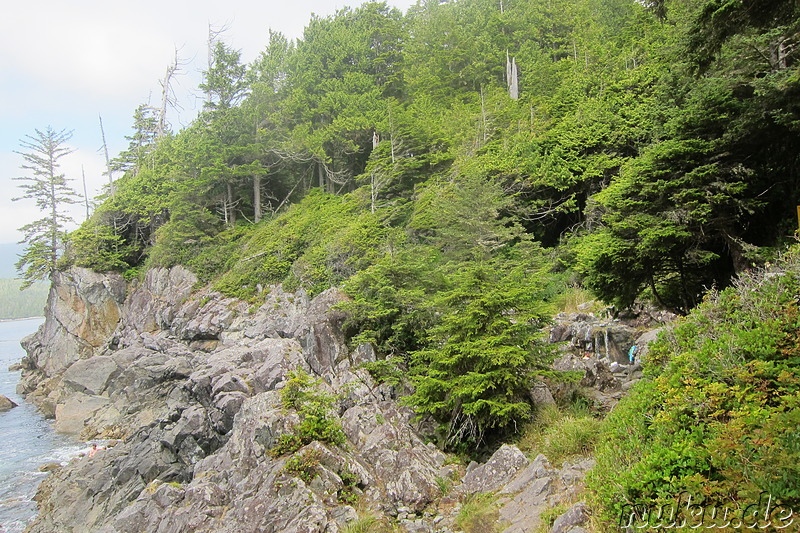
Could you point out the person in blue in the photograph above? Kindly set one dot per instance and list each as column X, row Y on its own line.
column 632, row 354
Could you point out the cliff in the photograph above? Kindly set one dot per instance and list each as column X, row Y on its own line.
column 191, row 382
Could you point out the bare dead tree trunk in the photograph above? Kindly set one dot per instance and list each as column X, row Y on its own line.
column 108, row 162
column 85, row 194
column 231, row 205
column 167, row 96
column 213, row 37
column 257, row 198
column 484, row 133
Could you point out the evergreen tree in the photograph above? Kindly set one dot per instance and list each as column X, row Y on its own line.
column 49, row 188
column 225, row 81
column 141, row 142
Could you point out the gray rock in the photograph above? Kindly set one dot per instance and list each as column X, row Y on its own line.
column 496, row 472
column 49, row 467
column 540, row 394
column 190, row 381
column 91, row 376
column 78, row 408
column 577, row 515
column 538, row 468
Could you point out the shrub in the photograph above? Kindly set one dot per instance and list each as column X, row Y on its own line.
column 304, row 465
column 314, row 407
column 718, row 419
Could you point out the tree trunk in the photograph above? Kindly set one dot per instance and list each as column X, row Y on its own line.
column 108, row 163
column 257, row 198
column 85, row 194
column 231, row 206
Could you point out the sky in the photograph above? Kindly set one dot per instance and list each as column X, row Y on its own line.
column 65, row 64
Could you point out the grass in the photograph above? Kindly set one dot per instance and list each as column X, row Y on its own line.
column 576, row 299
column 479, row 514
column 369, row 524
column 561, row 433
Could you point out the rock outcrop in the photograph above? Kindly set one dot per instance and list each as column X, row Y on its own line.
column 191, row 382
column 6, row 404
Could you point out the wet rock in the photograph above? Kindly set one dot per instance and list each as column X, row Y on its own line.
column 49, row 467
column 6, row 404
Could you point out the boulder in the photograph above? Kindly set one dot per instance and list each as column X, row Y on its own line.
column 91, row 376
column 73, row 414
column 6, row 404
column 577, row 515
column 501, row 467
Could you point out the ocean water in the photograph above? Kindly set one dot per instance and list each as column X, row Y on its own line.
column 27, row 440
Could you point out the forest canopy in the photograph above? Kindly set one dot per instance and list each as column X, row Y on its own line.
column 651, row 147
column 474, row 158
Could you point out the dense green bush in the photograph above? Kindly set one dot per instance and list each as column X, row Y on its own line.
column 718, row 419
column 315, row 244
column 317, row 422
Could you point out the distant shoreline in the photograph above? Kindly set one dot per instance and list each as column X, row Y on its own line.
column 20, row 319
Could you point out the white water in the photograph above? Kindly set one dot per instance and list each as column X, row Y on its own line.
column 27, row 440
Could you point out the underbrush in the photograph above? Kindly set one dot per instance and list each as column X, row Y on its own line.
column 561, row 433
column 718, row 421
column 315, row 244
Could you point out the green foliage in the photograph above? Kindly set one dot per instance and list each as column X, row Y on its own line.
column 475, row 373
column 317, row 423
column 718, row 418
column 317, row 243
column 348, row 494
column 479, row 514
column 18, row 303
column 50, row 191
column 95, row 245
column 304, row 464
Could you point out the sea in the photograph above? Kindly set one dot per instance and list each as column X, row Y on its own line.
column 27, row 439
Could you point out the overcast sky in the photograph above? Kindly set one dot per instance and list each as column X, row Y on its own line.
column 63, row 64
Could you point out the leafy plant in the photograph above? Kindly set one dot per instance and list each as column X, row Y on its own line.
column 304, row 464
column 314, row 407
column 718, row 418
column 348, row 494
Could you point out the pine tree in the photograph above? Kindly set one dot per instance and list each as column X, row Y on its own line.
column 49, row 188
column 141, row 143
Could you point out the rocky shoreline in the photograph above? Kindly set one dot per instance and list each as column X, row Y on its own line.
column 190, row 381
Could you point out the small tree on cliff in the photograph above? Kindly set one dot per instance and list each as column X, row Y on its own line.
column 48, row 187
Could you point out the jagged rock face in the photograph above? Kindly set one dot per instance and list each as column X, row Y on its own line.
column 601, row 338
column 190, row 381
column 83, row 310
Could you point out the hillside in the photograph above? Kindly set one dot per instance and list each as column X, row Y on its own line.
column 9, row 253
column 399, row 204
column 715, row 425
column 21, row 304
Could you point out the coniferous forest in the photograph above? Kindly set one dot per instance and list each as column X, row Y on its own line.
column 460, row 168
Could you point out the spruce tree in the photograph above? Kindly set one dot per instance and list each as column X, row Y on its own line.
column 49, row 189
